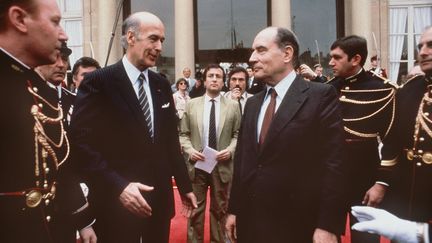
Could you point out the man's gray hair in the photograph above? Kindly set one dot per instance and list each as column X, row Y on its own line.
column 131, row 23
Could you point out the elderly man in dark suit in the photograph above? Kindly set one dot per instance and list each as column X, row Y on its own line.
column 124, row 131
column 288, row 183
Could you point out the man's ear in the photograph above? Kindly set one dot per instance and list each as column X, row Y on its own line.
column 18, row 18
column 130, row 37
column 356, row 59
column 289, row 53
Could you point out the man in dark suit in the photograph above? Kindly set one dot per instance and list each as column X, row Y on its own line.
column 124, row 131
column 282, row 191
column 39, row 200
column 254, row 86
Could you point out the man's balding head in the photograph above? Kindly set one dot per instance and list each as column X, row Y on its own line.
column 143, row 35
column 425, row 51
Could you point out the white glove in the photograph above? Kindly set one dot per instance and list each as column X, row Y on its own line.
column 381, row 222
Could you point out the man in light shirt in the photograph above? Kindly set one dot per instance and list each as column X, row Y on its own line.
column 211, row 121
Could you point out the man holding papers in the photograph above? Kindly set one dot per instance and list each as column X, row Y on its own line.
column 208, row 135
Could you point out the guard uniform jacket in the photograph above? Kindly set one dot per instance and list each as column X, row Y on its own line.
column 407, row 153
column 40, row 199
column 368, row 112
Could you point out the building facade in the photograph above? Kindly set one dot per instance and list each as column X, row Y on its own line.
column 203, row 31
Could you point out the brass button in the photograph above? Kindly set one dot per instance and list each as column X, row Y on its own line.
column 426, row 113
column 343, row 97
column 347, row 88
column 40, row 105
column 35, row 89
column 420, row 151
column 427, row 158
column 410, row 154
column 48, row 218
column 418, row 164
column 422, row 139
column 47, row 202
column 47, row 170
column 33, row 198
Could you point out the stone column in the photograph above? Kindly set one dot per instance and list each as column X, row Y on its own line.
column 281, row 13
column 99, row 23
column 184, row 36
column 361, row 23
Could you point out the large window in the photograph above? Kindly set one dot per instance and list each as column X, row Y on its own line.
column 226, row 29
column 315, row 24
column 407, row 19
column 72, row 22
column 165, row 11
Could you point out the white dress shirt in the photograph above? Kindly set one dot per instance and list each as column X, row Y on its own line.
column 133, row 74
column 206, row 117
column 281, row 89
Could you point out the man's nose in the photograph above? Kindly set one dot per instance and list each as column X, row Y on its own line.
column 253, row 58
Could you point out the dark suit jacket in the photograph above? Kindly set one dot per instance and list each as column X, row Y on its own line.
column 294, row 183
column 112, row 144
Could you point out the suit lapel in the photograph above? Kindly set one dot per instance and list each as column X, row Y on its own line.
column 127, row 92
column 200, row 114
column 156, row 96
column 291, row 103
column 255, row 103
column 222, row 114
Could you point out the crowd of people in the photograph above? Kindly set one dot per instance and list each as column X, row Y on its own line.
column 284, row 152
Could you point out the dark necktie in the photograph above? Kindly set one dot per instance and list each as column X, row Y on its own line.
column 212, row 142
column 143, row 101
column 240, row 105
column 268, row 116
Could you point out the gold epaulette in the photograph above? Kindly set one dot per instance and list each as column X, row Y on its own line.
column 385, row 80
column 409, row 80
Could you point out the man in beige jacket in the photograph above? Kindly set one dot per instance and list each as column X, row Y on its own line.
column 210, row 121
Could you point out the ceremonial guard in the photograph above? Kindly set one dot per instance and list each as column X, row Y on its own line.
column 40, row 199
column 407, row 153
column 368, row 103
column 55, row 75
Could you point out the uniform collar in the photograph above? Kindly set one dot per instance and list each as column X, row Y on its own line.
column 354, row 78
column 428, row 79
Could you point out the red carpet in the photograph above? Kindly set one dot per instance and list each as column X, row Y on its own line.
column 179, row 225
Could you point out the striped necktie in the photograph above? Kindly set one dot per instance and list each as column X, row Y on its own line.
column 144, row 104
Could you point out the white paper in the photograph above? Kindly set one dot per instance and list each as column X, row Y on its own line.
column 210, row 160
